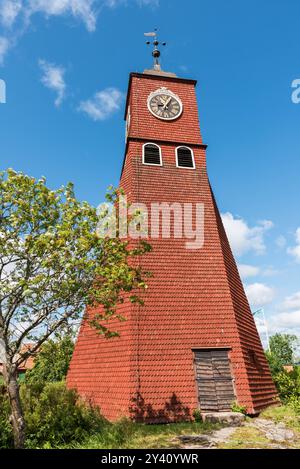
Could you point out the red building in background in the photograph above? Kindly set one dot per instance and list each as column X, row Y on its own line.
column 194, row 343
column 27, row 365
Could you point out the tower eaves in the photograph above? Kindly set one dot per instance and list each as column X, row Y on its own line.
column 160, row 73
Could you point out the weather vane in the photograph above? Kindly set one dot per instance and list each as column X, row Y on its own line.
column 156, row 52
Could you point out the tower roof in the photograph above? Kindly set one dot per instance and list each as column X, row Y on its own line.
column 160, row 73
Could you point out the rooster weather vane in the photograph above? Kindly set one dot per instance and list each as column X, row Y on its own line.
column 156, row 52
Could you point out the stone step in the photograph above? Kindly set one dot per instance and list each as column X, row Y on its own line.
column 235, row 419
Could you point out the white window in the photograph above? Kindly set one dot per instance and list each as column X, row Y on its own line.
column 152, row 154
column 185, row 158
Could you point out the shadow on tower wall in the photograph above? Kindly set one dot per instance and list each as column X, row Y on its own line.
column 173, row 411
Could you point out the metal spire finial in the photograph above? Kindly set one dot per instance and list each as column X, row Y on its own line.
column 156, row 52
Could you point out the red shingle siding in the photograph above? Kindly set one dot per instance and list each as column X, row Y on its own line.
column 145, row 125
column 195, row 298
column 100, row 368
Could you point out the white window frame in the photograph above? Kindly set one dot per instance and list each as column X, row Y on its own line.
column 160, row 154
column 128, row 122
column 193, row 157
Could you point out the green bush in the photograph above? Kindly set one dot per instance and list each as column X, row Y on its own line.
column 288, row 384
column 114, row 435
column 117, row 434
column 236, row 407
column 6, row 436
column 294, row 402
column 52, row 361
column 197, row 415
column 55, row 416
column 282, row 352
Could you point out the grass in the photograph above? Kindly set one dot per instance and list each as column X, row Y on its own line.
column 284, row 414
column 128, row 435
column 125, row 434
column 250, row 437
column 245, row 438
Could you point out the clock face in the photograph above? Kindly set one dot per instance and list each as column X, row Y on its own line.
column 164, row 105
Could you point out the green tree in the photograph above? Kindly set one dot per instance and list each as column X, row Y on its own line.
column 52, row 361
column 52, row 266
column 282, row 350
column 288, row 385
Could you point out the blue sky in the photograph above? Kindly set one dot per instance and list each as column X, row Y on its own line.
column 66, row 66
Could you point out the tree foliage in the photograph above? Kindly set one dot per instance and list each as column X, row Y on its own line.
column 52, row 266
column 55, row 415
column 52, row 263
column 288, row 384
column 6, row 435
column 282, row 350
column 282, row 353
column 52, row 361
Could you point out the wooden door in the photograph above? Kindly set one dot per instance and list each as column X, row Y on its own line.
column 214, row 380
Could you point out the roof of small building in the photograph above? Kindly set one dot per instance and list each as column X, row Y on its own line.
column 28, row 364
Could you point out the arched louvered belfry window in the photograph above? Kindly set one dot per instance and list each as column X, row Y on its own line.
column 185, row 158
column 152, row 154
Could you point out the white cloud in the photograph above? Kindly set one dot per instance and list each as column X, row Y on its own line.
column 86, row 11
column 4, row 46
column 291, row 302
column 115, row 3
column 103, row 104
column 295, row 251
column 53, row 78
column 242, row 238
column 83, row 10
column 154, row 3
column 286, row 323
column 259, row 294
column 270, row 272
column 260, row 324
column 247, row 271
column 287, row 320
column 281, row 241
column 141, row 3
column 9, row 10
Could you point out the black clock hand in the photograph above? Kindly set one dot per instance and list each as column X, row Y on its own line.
column 167, row 103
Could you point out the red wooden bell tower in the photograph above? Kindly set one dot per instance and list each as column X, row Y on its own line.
column 194, row 343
